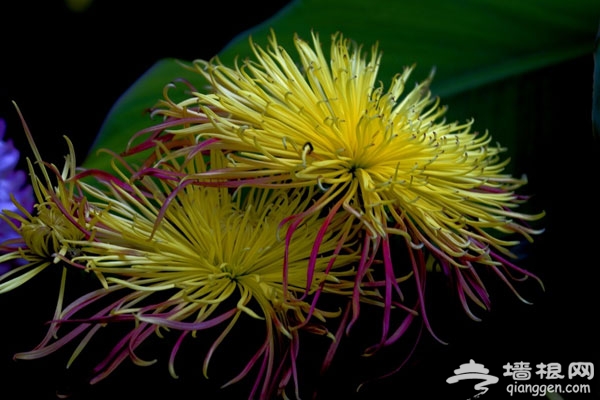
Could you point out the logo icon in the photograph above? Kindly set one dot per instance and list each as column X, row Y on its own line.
column 474, row 371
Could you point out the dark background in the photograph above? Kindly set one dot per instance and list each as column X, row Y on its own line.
column 66, row 69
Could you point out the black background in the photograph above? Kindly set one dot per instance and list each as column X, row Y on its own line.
column 65, row 70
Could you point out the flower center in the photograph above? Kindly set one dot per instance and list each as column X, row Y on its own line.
column 45, row 234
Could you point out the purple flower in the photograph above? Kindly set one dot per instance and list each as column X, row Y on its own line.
column 12, row 182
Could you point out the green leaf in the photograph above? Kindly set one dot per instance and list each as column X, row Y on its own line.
column 131, row 114
column 596, row 88
column 482, row 50
column 469, row 42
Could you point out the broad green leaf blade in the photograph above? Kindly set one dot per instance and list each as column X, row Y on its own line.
column 596, row 88
column 470, row 43
column 130, row 114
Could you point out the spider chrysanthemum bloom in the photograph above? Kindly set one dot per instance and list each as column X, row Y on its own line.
column 43, row 232
column 190, row 258
column 386, row 156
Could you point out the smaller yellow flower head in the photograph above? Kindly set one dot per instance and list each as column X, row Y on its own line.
column 59, row 217
column 188, row 257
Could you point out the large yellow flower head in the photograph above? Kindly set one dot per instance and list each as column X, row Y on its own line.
column 385, row 156
column 190, row 258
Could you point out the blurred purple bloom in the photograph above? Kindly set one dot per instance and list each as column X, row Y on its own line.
column 11, row 182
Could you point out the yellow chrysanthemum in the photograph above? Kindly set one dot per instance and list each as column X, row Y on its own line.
column 60, row 216
column 385, row 156
column 188, row 258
